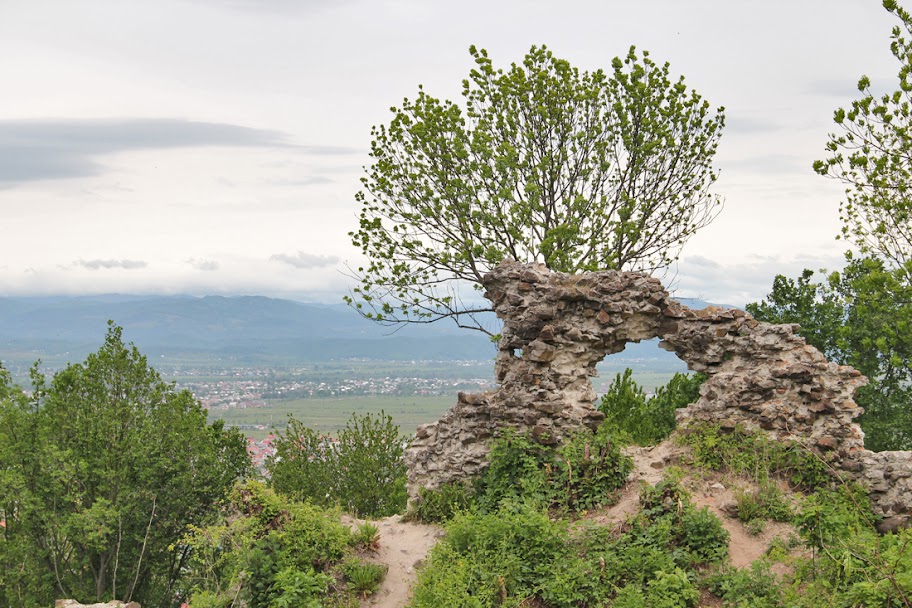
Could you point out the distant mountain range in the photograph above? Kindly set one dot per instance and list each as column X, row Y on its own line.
column 244, row 330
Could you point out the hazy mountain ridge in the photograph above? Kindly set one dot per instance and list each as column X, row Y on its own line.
column 251, row 329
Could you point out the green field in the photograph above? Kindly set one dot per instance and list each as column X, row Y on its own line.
column 647, row 379
column 328, row 415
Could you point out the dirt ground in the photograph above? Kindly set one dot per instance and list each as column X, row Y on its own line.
column 403, row 548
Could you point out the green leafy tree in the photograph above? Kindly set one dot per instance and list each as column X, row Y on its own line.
column 102, row 471
column 861, row 317
column 371, row 467
column 363, row 471
column 642, row 419
column 578, row 170
column 872, row 155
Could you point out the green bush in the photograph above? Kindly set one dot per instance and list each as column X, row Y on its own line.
column 581, row 474
column 765, row 502
column 265, row 550
column 647, row 420
column 518, row 555
column 754, row 587
column 364, row 471
column 442, row 504
column 489, row 559
column 669, row 518
column 671, row 590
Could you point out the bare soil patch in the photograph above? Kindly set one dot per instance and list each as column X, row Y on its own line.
column 403, row 548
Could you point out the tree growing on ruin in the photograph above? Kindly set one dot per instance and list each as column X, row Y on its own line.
column 872, row 155
column 542, row 162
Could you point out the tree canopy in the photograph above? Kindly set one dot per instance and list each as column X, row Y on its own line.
column 101, row 473
column 544, row 162
column 872, row 155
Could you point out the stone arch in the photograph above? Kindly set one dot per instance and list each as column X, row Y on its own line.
column 557, row 327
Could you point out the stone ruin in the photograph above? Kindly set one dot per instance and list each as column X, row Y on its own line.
column 557, row 327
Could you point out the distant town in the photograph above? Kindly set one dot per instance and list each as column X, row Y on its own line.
column 250, row 388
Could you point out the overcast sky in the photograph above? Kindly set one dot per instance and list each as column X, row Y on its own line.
column 215, row 146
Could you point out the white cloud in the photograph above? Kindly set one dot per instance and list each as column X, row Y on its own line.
column 109, row 264
column 203, row 264
column 304, row 260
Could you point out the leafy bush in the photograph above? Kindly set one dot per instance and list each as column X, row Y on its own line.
column 489, row 559
column 303, row 465
column 669, row 517
column 647, row 420
column 754, row 587
column 765, row 502
column 266, row 550
column 443, row 503
column 671, row 590
column 518, row 556
column 580, row 474
column 364, row 471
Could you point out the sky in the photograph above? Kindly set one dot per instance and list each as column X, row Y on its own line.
column 216, row 146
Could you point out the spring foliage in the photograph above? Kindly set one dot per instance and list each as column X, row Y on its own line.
column 101, row 472
column 647, row 420
column 872, row 155
column 363, row 471
column 543, row 162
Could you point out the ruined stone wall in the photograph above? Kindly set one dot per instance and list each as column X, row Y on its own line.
column 557, row 327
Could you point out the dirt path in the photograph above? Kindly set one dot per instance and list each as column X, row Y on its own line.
column 403, row 547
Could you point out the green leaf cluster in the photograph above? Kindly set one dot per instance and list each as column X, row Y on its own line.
column 754, row 456
column 269, row 551
column 871, row 155
column 647, row 420
column 542, row 162
column 581, row 474
column 363, row 470
column 101, row 473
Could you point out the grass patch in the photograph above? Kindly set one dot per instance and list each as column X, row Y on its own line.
column 329, row 415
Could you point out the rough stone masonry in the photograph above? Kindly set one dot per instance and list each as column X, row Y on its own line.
column 558, row 326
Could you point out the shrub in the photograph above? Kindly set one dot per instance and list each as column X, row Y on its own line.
column 669, row 518
column 265, row 547
column 364, row 472
column 671, row 590
column 489, row 559
column 370, row 466
column 589, row 468
column 765, row 502
column 442, row 504
column 581, row 474
column 303, row 466
column 647, row 420
column 755, row 456
column 754, row 587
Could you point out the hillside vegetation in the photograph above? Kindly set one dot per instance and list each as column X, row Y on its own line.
column 113, row 486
